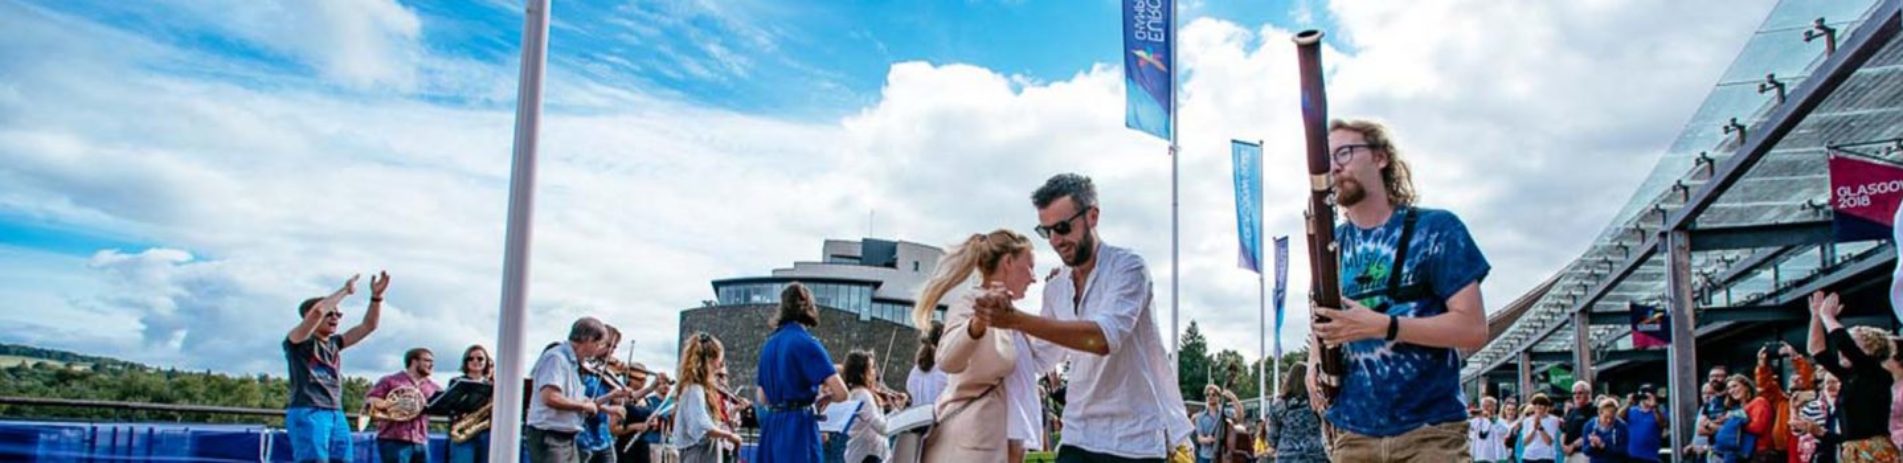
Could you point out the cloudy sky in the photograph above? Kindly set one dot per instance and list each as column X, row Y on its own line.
column 176, row 175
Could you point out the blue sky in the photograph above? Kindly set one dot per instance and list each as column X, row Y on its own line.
column 175, row 171
column 815, row 62
column 818, row 60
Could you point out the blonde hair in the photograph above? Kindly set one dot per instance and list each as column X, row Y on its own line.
column 1608, row 402
column 1873, row 341
column 1397, row 178
column 980, row 253
column 697, row 367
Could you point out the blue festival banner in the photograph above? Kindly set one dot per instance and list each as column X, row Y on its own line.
column 1281, row 289
column 1148, row 60
column 1248, row 163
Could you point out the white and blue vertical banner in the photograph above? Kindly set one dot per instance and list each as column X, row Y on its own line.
column 1248, row 160
column 1148, row 59
column 1281, row 289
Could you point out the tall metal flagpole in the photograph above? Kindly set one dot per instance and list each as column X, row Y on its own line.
column 1262, row 337
column 1262, row 309
column 505, row 442
column 1176, row 264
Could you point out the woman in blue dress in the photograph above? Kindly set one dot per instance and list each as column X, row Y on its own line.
column 797, row 377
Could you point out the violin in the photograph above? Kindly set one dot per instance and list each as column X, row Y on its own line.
column 635, row 374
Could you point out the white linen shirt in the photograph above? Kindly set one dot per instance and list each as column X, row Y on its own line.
column 1124, row 403
column 925, row 387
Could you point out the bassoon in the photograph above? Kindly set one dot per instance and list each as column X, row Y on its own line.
column 1323, row 263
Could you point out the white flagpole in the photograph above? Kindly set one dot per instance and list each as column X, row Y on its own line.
column 1262, row 338
column 1262, row 300
column 1176, row 68
column 505, row 442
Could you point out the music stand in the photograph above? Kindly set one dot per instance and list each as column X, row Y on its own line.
column 462, row 397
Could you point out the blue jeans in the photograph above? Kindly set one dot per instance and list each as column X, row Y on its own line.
column 475, row 450
column 396, row 451
column 317, row 434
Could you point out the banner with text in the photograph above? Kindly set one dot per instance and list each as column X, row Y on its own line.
column 1864, row 194
column 1148, row 63
column 1248, row 163
column 1281, row 289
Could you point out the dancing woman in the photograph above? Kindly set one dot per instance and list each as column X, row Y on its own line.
column 972, row 412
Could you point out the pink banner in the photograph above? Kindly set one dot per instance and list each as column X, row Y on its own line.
column 1864, row 193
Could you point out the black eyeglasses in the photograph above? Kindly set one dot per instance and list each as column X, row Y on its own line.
column 1062, row 227
column 1346, row 153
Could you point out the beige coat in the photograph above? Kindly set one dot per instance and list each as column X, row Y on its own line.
column 977, row 433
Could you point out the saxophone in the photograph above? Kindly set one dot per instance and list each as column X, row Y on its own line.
column 470, row 425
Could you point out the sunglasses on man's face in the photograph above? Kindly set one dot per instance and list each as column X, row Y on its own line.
column 1060, row 228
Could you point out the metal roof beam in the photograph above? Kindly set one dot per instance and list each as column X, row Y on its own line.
column 1761, row 236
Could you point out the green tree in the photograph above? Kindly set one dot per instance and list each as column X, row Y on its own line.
column 1229, row 369
column 1192, row 363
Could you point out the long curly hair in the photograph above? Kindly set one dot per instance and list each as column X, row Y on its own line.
column 697, row 367
column 1397, row 177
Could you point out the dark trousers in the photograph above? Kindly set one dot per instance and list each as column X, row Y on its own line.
column 552, row 447
column 1068, row 454
column 396, row 451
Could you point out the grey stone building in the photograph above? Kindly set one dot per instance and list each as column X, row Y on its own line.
column 865, row 290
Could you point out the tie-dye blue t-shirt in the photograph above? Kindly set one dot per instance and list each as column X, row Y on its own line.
column 1392, row 388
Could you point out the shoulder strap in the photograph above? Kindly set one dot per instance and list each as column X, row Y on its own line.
column 961, row 408
column 1400, row 252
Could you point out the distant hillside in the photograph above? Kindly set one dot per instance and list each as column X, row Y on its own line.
column 14, row 354
column 27, row 371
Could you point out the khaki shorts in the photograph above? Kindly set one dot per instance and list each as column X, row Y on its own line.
column 1445, row 442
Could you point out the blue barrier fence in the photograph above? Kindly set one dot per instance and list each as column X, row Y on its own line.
column 86, row 442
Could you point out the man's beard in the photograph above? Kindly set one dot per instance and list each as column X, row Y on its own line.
column 1349, row 192
column 1086, row 249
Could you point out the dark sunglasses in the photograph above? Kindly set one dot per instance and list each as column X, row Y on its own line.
column 333, row 314
column 1062, row 227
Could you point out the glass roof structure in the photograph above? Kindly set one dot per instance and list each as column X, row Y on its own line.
column 1784, row 189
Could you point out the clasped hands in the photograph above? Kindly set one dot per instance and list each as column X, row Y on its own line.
column 992, row 307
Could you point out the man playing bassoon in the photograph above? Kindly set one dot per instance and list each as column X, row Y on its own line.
column 1410, row 280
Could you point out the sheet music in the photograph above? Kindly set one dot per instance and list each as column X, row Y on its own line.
column 838, row 417
column 909, row 419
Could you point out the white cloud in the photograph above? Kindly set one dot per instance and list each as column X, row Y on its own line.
column 1531, row 121
column 359, row 43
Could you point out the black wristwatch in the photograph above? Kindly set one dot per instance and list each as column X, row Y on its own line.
column 1394, row 327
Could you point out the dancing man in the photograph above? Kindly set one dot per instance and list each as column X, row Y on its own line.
column 1410, row 278
column 1122, row 403
column 405, row 441
column 314, row 420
